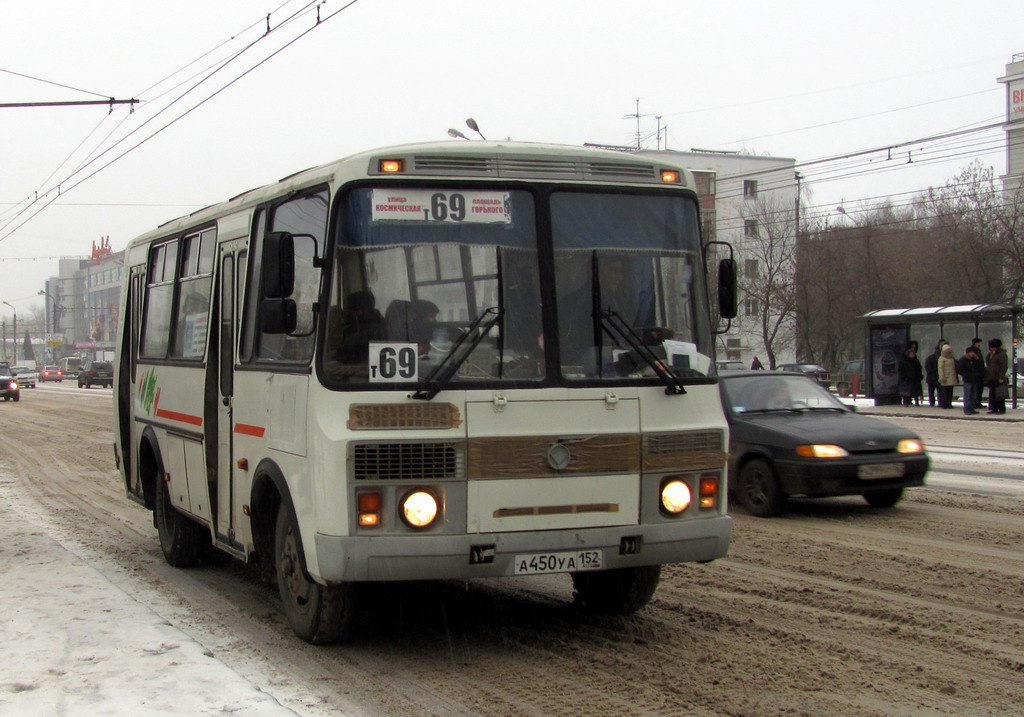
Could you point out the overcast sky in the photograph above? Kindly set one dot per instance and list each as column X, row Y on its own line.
column 801, row 79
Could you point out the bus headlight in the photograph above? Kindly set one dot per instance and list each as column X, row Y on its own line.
column 419, row 508
column 675, row 496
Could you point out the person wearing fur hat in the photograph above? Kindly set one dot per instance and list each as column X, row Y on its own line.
column 947, row 376
column 972, row 372
column 995, row 375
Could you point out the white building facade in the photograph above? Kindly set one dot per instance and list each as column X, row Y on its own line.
column 756, row 210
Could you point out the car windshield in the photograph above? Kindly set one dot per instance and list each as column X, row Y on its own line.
column 753, row 394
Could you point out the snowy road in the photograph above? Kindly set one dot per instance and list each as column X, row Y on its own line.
column 836, row 608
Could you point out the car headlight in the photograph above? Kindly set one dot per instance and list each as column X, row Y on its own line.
column 675, row 496
column 821, row 450
column 910, row 445
column 419, row 508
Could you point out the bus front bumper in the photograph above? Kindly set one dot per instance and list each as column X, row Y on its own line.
column 430, row 557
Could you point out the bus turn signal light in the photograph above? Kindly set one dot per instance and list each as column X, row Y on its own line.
column 369, row 510
column 708, row 491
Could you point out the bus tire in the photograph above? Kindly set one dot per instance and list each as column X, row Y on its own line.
column 318, row 614
column 622, row 591
column 181, row 540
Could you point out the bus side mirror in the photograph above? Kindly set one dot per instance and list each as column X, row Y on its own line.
column 278, row 316
column 727, row 288
column 278, row 265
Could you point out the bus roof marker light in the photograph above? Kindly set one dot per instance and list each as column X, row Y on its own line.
column 670, row 176
column 391, row 166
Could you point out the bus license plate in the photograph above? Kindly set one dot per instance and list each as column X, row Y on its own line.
column 881, row 470
column 575, row 561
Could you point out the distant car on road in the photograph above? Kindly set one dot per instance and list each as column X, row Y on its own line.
column 26, row 376
column 790, row 437
column 8, row 384
column 851, row 374
column 51, row 373
column 818, row 373
column 96, row 373
column 730, row 366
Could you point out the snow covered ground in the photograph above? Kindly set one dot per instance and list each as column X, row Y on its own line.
column 74, row 643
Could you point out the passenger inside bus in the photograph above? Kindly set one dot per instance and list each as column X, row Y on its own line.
column 412, row 321
column 361, row 323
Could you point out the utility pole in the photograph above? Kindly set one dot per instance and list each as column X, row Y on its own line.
column 15, row 333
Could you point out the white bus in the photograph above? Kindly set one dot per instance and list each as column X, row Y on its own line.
column 447, row 360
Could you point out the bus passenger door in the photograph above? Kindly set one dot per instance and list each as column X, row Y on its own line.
column 230, row 264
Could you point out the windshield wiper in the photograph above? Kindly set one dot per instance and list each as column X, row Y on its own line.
column 437, row 379
column 612, row 323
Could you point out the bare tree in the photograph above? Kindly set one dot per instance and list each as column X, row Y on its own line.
column 768, row 273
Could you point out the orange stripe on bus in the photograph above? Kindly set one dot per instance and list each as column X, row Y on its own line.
column 181, row 417
column 246, row 430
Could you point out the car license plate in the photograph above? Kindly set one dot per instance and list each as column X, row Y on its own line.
column 881, row 470
column 575, row 561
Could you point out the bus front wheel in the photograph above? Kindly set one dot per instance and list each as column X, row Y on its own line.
column 181, row 540
column 319, row 614
column 616, row 592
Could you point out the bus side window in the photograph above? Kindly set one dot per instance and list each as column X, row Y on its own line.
column 305, row 215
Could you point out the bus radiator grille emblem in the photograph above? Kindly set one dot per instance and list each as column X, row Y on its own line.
column 558, row 456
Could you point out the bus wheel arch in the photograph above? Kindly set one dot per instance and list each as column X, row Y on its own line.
column 150, row 467
column 182, row 540
column 317, row 613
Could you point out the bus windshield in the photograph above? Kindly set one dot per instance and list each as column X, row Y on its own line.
column 414, row 268
column 634, row 258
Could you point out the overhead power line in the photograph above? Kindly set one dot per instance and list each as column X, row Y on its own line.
column 70, row 103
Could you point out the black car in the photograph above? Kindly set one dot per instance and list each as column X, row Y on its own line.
column 818, row 373
column 9, row 384
column 790, row 437
column 96, row 373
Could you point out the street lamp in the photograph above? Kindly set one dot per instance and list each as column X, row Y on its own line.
column 15, row 331
column 53, row 320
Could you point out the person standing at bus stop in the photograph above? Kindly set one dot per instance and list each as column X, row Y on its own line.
column 931, row 372
column 972, row 372
column 995, row 376
column 947, row 376
column 980, row 384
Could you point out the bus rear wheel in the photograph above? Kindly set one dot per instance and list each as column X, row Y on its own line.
column 181, row 540
column 318, row 614
column 616, row 592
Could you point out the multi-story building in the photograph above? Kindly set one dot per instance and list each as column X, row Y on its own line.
column 1014, row 81
column 82, row 311
column 754, row 208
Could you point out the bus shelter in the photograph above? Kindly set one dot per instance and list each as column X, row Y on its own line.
column 890, row 330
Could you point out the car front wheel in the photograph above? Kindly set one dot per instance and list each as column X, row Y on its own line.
column 884, row 498
column 758, row 490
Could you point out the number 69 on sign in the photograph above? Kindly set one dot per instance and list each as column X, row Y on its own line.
column 393, row 363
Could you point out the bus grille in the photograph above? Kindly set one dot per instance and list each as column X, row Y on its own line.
column 683, row 451
column 407, row 461
column 535, row 167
